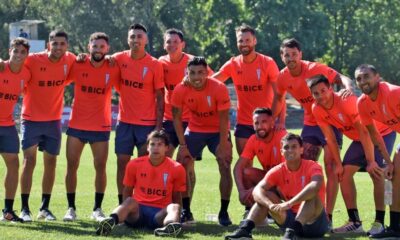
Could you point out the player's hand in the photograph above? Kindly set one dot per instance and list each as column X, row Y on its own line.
column 389, row 171
column 2, row 65
column 111, row 60
column 345, row 93
column 246, row 197
column 224, row 153
column 374, row 170
column 279, row 126
column 186, row 81
column 183, row 154
column 281, row 207
column 81, row 58
column 339, row 171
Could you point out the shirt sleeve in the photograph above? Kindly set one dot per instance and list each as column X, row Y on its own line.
column 177, row 96
column 158, row 75
column 223, row 100
column 180, row 179
column 365, row 118
column 280, row 84
column 319, row 68
column 227, row 68
column 248, row 151
column 273, row 71
column 318, row 113
column 130, row 174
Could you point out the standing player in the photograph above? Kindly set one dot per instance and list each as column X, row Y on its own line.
column 41, row 114
column 254, row 76
column 292, row 193
column 208, row 101
column 330, row 110
column 152, row 192
column 293, row 80
column 141, row 105
column 380, row 102
column 90, row 120
column 265, row 144
column 12, row 82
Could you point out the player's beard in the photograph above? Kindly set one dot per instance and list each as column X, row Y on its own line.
column 264, row 133
column 246, row 50
column 98, row 58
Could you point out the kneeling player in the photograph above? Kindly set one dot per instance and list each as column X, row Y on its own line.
column 155, row 183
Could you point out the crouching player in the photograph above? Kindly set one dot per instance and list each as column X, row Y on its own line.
column 155, row 183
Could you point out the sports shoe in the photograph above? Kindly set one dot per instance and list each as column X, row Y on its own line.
column 223, row 219
column 376, row 228
column 239, row 233
column 388, row 233
column 10, row 216
column 289, row 234
column 70, row 215
column 187, row 218
column 105, row 226
column 98, row 215
column 26, row 215
column 349, row 227
column 169, row 230
column 46, row 214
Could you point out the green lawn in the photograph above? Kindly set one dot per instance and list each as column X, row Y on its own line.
column 206, row 201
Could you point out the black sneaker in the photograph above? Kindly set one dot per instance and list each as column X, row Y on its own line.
column 187, row 218
column 169, row 230
column 223, row 219
column 388, row 233
column 10, row 216
column 105, row 226
column 289, row 234
column 239, row 233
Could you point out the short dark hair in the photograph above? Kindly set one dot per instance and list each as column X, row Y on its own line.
column 367, row 66
column 317, row 79
column 19, row 41
column 160, row 134
column 57, row 33
column 138, row 26
column 174, row 31
column 99, row 35
column 245, row 28
column 198, row 60
column 290, row 43
column 261, row 110
column 292, row 136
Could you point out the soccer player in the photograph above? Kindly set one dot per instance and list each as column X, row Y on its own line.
column 292, row 79
column 141, row 106
column 380, row 102
column 208, row 101
column 254, row 76
column 330, row 110
column 265, row 144
column 292, row 193
column 152, row 192
column 12, row 82
column 41, row 114
column 90, row 120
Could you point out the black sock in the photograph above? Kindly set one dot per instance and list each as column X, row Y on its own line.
column 8, row 204
column 298, row 228
column 353, row 215
column 45, row 201
column 330, row 217
column 395, row 220
column 98, row 200
column 24, row 201
column 247, row 224
column 246, row 208
column 119, row 199
column 379, row 216
column 71, row 200
column 224, row 205
column 115, row 217
column 186, row 204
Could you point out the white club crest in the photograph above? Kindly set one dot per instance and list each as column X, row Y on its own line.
column 22, row 84
column 341, row 117
column 209, row 101
column 107, row 78
column 303, row 181
column 384, row 109
column 165, row 178
column 274, row 151
column 65, row 70
column 258, row 74
column 144, row 72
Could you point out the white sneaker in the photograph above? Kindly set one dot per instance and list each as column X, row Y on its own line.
column 98, row 215
column 26, row 215
column 46, row 214
column 70, row 215
column 376, row 228
column 349, row 227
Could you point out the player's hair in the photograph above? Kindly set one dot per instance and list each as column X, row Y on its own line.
column 57, row 33
column 138, row 26
column 261, row 110
column 174, row 31
column 290, row 43
column 160, row 134
column 245, row 28
column 292, row 136
column 317, row 79
column 99, row 35
column 19, row 41
column 198, row 60
column 371, row 67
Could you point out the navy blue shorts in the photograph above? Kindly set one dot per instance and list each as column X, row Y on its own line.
column 315, row 230
column 243, row 131
column 47, row 135
column 9, row 140
column 127, row 136
column 196, row 142
column 89, row 136
column 169, row 128
column 147, row 218
column 314, row 135
column 355, row 154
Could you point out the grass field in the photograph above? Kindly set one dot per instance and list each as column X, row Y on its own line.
column 205, row 201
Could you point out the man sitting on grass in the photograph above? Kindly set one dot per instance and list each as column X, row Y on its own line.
column 155, row 183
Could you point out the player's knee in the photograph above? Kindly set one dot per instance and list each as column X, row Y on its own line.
column 173, row 207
